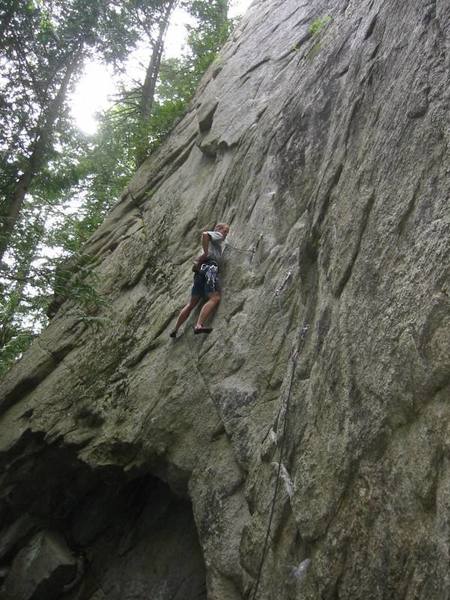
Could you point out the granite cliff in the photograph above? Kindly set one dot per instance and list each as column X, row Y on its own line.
column 302, row 449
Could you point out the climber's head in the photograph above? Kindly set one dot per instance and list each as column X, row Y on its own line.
column 222, row 228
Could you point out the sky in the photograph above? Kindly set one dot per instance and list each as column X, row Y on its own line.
column 96, row 86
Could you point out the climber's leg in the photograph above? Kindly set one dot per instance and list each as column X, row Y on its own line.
column 184, row 314
column 207, row 310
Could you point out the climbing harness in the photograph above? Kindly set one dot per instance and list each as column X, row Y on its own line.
column 210, row 271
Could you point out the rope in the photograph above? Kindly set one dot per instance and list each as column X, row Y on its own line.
column 238, row 249
column 197, row 368
column 294, row 357
column 251, row 251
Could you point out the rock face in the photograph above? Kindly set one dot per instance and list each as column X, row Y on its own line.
column 41, row 569
column 302, row 449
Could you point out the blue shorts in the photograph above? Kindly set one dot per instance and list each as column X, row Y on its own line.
column 204, row 285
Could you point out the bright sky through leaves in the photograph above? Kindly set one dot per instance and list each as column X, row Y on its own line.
column 97, row 85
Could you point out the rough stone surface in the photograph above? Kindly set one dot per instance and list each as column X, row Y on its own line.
column 325, row 383
column 41, row 569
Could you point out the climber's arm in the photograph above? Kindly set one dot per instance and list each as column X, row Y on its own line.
column 207, row 236
column 205, row 246
column 205, row 243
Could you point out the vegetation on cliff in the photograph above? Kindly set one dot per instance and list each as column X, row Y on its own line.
column 56, row 184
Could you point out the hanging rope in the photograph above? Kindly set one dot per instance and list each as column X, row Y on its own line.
column 251, row 251
column 298, row 347
column 294, row 357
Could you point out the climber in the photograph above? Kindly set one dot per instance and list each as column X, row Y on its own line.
column 206, row 281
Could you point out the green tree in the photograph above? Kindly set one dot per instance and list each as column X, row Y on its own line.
column 151, row 109
column 206, row 39
column 56, row 185
column 44, row 46
column 127, row 132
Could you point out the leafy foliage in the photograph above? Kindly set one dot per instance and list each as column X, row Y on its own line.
column 72, row 180
column 208, row 37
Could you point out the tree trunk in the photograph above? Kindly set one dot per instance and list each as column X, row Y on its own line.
column 151, row 76
column 152, row 73
column 37, row 158
column 16, row 296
